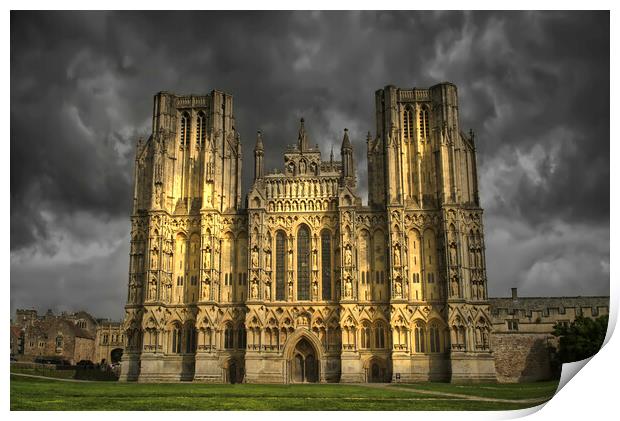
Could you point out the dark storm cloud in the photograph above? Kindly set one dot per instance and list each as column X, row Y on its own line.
column 534, row 87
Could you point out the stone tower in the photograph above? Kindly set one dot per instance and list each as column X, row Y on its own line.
column 422, row 172
column 187, row 237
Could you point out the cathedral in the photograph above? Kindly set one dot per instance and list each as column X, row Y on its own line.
column 299, row 281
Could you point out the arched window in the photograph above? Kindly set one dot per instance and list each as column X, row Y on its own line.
column 176, row 340
column 185, row 121
column 380, row 336
column 241, row 338
column 365, row 336
column 423, row 125
column 190, row 339
column 228, row 337
column 303, row 263
column 408, row 123
column 201, row 128
column 434, row 337
column 420, row 338
column 280, row 261
column 326, row 264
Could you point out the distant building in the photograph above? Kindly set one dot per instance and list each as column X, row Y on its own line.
column 72, row 337
column 110, row 342
column 522, row 340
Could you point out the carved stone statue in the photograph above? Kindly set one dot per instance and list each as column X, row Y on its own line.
column 167, row 290
column 152, row 289
column 348, row 256
column 268, row 291
column 454, row 286
column 154, row 258
column 132, row 292
column 348, row 287
column 453, row 254
column 398, row 288
column 207, row 261
column 315, row 289
column 396, row 256
column 268, row 260
column 254, row 258
column 206, row 289
column 254, row 290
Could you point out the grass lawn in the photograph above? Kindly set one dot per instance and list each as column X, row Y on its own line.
column 44, row 394
column 491, row 390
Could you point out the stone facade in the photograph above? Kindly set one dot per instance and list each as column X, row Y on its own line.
column 301, row 283
column 522, row 339
column 110, row 342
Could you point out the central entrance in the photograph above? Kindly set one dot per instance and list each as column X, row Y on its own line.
column 304, row 363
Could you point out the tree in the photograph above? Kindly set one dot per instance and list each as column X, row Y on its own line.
column 581, row 339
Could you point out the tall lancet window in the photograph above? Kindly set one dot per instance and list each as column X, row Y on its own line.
column 408, row 123
column 423, row 123
column 201, row 129
column 326, row 264
column 185, row 129
column 303, row 263
column 280, row 259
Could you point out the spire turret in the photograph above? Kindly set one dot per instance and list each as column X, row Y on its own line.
column 348, row 169
column 302, row 138
column 258, row 156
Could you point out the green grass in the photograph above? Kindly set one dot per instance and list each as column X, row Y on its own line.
column 491, row 390
column 43, row 394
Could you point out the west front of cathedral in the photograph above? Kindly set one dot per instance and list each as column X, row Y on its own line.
column 300, row 282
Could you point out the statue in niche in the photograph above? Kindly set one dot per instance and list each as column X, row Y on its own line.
column 153, row 289
column 348, row 256
column 315, row 290
column 206, row 289
column 254, row 290
column 157, row 195
column 453, row 254
column 167, row 289
column 154, row 258
column 268, row 291
column 206, row 263
column 290, row 290
column 454, row 286
column 398, row 288
column 396, row 256
column 268, row 260
column 132, row 290
column 290, row 258
column 302, row 167
column 348, row 287
column 255, row 257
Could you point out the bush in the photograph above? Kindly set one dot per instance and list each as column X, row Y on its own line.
column 581, row 339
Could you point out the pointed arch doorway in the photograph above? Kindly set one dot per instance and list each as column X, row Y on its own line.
column 304, row 364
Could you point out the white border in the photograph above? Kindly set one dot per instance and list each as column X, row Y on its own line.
column 589, row 395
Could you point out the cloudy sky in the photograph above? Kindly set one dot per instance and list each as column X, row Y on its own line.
column 534, row 87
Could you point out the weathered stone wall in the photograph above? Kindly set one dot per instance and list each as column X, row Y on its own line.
column 522, row 357
column 84, row 349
